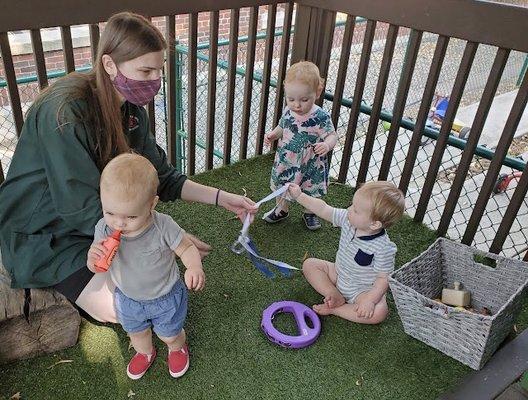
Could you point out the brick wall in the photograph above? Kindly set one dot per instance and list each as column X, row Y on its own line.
column 24, row 64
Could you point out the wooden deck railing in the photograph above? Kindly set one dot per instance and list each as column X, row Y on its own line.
column 475, row 22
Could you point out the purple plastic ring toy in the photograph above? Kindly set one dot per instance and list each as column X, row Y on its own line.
column 307, row 335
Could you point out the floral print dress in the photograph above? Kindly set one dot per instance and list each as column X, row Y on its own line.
column 295, row 159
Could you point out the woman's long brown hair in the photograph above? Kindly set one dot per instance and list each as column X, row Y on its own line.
column 126, row 36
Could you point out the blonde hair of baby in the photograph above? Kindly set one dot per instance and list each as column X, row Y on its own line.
column 305, row 72
column 130, row 175
column 388, row 202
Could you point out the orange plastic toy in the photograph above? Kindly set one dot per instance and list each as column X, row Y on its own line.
column 111, row 244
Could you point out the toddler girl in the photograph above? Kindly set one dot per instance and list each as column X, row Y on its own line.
column 306, row 134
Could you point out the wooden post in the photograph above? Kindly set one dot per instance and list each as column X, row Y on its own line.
column 313, row 40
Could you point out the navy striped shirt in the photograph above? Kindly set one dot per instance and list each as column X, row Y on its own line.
column 359, row 260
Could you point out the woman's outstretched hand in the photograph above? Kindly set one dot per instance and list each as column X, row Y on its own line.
column 240, row 205
column 203, row 248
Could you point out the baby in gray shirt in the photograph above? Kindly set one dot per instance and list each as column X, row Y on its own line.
column 149, row 292
column 354, row 286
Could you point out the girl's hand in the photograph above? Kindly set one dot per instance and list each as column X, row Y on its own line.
column 269, row 138
column 96, row 251
column 294, row 190
column 194, row 278
column 321, row 148
column 240, row 205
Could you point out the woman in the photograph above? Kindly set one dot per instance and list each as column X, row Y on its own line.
column 49, row 202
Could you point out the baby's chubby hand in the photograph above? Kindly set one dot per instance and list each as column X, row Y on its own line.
column 269, row 138
column 294, row 190
column 194, row 278
column 96, row 251
column 321, row 148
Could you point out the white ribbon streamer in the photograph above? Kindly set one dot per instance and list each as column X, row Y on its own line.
column 243, row 238
column 271, row 196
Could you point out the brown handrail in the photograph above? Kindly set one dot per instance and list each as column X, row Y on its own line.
column 484, row 22
column 67, row 46
column 53, row 13
column 94, row 40
column 477, row 22
column 432, row 79
column 323, row 46
column 342, row 73
column 511, row 212
column 411, row 54
column 12, row 88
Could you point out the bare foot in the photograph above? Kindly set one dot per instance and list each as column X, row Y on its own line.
column 322, row 309
column 334, row 300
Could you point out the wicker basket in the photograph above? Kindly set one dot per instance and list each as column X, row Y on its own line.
column 468, row 337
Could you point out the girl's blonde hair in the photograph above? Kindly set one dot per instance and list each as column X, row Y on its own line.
column 305, row 72
column 130, row 176
column 388, row 202
column 126, row 36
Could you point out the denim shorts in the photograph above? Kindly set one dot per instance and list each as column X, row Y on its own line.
column 165, row 314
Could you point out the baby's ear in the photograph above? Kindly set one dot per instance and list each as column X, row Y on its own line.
column 154, row 203
column 376, row 225
column 320, row 90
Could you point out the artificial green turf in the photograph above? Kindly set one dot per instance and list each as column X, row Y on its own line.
column 231, row 358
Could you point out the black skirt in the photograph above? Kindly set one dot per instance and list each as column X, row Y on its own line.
column 73, row 285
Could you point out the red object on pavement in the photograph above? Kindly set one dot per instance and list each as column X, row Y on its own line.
column 111, row 245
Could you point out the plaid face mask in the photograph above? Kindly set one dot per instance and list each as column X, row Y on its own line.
column 136, row 92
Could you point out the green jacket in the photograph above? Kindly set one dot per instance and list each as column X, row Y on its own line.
column 49, row 202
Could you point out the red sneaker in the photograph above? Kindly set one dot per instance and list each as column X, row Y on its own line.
column 139, row 364
column 178, row 361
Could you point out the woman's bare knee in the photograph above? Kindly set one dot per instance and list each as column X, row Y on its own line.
column 97, row 298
